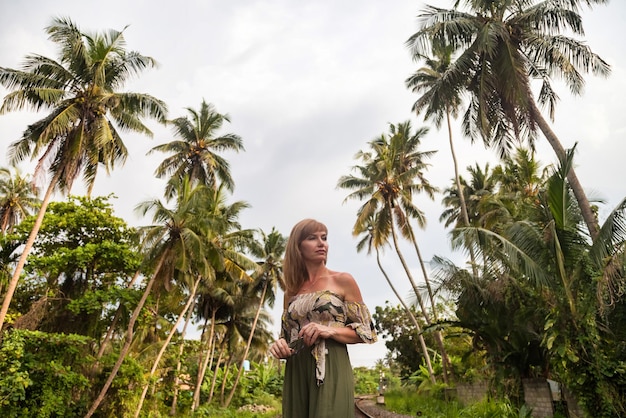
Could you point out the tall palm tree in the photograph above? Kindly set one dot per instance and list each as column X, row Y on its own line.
column 268, row 276
column 173, row 243
column 81, row 90
column 18, row 198
column 392, row 173
column 190, row 300
column 195, row 155
column 225, row 242
column 371, row 240
column 440, row 99
column 503, row 46
column 213, row 300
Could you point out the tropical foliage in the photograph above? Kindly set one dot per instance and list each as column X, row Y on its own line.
column 171, row 317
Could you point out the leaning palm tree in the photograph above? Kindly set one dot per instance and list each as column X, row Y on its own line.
column 392, row 172
column 371, row 240
column 173, row 330
column 18, row 198
column 440, row 99
column 172, row 244
column 81, row 90
column 195, row 154
column 503, row 46
column 268, row 276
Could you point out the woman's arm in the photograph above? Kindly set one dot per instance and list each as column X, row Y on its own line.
column 280, row 348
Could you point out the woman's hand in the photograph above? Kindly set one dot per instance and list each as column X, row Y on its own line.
column 312, row 331
column 280, row 349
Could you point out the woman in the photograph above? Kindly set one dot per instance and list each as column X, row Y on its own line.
column 323, row 311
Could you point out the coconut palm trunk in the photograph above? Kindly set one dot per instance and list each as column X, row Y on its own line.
column 27, row 247
column 420, row 337
column 585, row 207
column 217, row 363
column 128, row 341
column 203, row 368
column 445, row 360
column 248, row 344
column 181, row 351
column 460, row 191
column 410, row 276
column 166, row 343
column 116, row 318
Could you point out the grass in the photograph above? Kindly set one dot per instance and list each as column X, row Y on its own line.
column 415, row 404
column 420, row 405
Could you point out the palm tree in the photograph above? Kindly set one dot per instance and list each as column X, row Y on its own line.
column 241, row 320
column 195, row 154
column 225, row 240
column 173, row 330
column 482, row 185
column 392, row 172
column 81, row 90
column 219, row 297
column 18, row 199
column 503, row 46
column 559, row 291
column 174, row 243
column 267, row 277
column 371, row 239
column 441, row 98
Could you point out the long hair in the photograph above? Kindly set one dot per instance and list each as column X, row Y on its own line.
column 294, row 269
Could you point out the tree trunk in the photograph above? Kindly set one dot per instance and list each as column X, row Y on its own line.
column 409, row 275
column 583, row 203
column 217, row 364
column 116, row 318
column 248, row 344
column 445, row 360
column 128, row 341
column 181, row 351
column 27, row 247
column 227, row 365
column 459, row 189
column 166, row 343
column 420, row 337
column 203, row 368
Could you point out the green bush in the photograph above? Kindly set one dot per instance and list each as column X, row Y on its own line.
column 43, row 375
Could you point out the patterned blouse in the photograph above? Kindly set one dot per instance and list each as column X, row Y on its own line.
column 327, row 308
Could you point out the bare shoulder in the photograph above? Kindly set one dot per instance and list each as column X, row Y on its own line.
column 347, row 286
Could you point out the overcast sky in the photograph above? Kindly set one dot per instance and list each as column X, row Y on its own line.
column 307, row 85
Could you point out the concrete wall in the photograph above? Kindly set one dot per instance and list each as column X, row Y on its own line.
column 538, row 396
column 573, row 409
column 468, row 393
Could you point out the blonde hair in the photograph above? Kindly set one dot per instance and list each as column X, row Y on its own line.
column 294, row 269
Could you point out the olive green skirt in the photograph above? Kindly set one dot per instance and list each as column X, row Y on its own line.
column 303, row 398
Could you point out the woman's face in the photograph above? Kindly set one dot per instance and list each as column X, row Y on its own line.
column 314, row 247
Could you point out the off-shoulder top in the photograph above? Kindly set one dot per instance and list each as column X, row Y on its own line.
column 327, row 308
